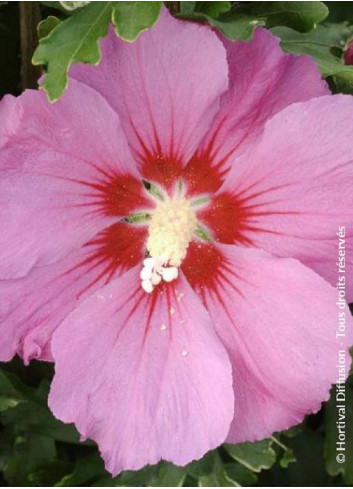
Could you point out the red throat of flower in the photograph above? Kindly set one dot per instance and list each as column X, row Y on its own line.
column 171, row 227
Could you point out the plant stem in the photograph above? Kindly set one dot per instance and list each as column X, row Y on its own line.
column 29, row 19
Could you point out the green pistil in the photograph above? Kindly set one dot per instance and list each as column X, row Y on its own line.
column 200, row 201
column 153, row 190
column 138, row 218
column 180, row 187
column 202, row 233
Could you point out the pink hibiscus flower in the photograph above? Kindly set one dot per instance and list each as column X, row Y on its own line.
column 348, row 53
column 169, row 240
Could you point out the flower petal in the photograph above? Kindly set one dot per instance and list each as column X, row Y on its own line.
column 263, row 80
column 144, row 375
column 65, row 175
column 166, row 87
column 279, row 322
column 292, row 193
column 32, row 307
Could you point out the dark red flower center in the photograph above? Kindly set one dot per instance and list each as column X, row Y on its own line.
column 170, row 219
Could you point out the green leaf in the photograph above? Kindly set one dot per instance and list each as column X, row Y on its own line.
column 241, row 20
column 73, row 5
column 75, row 39
column 169, row 475
column 87, row 470
column 212, row 471
column 293, row 431
column 254, row 456
column 319, row 44
column 143, row 477
column 240, row 474
column 50, row 473
column 33, row 418
column 29, row 412
column 30, row 453
column 309, row 470
column 203, row 466
column 334, row 414
column 45, row 27
column 187, row 8
column 301, row 16
column 131, row 18
column 213, row 9
column 218, row 476
column 287, row 458
column 232, row 25
column 10, row 396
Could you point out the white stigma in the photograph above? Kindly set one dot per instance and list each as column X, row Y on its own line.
column 169, row 234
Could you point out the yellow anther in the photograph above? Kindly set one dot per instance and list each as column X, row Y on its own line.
column 170, row 231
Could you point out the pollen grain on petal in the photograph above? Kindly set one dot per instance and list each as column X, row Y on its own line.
column 115, row 195
column 161, row 169
column 228, row 217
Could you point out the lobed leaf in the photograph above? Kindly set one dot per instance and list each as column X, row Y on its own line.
column 75, row 39
column 45, row 27
column 218, row 476
column 241, row 20
column 301, row 16
column 240, row 474
column 254, row 456
column 131, row 18
column 321, row 44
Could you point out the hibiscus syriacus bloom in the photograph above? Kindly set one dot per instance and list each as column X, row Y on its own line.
column 169, row 239
column 348, row 53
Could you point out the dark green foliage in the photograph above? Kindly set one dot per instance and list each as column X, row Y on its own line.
column 38, row 450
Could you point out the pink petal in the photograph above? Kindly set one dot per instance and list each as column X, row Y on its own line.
column 65, row 175
column 279, row 323
column 291, row 193
column 32, row 307
column 263, row 80
column 144, row 376
column 348, row 53
column 166, row 86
